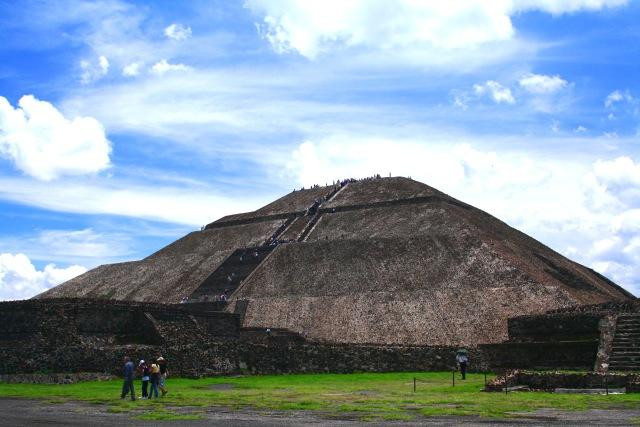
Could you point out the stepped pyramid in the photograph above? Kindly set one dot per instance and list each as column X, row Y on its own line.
column 387, row 260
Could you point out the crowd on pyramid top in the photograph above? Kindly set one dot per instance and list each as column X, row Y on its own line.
column 343, row 182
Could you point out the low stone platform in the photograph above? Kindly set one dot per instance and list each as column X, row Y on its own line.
column 563, row 381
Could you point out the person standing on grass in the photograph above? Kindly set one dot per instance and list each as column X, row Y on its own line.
column 144, row 373
column 463, row 360
column 154, row 376
column 164, row 373
column 128, row 379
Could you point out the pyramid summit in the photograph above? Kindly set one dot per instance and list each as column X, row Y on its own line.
column 380, row 260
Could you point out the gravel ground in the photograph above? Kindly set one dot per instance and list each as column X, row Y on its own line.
column 23, row 412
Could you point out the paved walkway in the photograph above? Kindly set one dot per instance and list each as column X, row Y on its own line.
column 22, row 412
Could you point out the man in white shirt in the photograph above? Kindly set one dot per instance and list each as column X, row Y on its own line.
column 463, row 360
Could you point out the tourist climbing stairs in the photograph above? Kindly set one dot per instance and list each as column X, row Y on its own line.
column 280, row 231
column 625, row 352
column 228, row 276
column 315, row 214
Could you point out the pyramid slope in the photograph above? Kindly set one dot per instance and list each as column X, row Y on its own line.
column 296, row 201
column 386, row 260
column 372, row 276
column 169, row 274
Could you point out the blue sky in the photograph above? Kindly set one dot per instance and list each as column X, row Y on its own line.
column 124, row 125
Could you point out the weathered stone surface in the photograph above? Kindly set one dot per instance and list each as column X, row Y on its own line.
column 60, row 323
column 233, row 357
column 170, row 274
column 549, row 381
column 388, row 261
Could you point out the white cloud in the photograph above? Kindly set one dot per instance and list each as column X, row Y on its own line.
column 93, row 71
column 177, row 32
column 44, row 144
column 617, row 96
column 163, row 66
column 497, row 92
column 131, row 70
column 542, row 84
column 580, row 129
column 311, row 28
column 619, row 171
column 19, row 279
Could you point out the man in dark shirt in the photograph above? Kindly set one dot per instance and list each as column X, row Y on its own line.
column 128, row 379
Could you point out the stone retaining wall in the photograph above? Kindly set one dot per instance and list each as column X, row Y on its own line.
column 234, row 357
column 541, row 355
column 67, row 322
column 554, row 327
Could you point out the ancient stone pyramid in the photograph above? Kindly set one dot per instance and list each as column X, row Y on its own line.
column 387, row 260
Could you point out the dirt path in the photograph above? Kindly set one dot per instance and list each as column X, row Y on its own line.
column 22, row 412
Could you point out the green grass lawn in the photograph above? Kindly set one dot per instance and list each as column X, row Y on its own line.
column 386, row 396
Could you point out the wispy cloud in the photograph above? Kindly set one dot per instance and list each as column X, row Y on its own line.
column 177, row 32
column 495, row 91
column 181, row 205
column 542, row 84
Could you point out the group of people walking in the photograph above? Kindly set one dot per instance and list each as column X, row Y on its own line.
column 153, row 375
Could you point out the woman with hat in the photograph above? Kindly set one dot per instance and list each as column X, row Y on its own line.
column 164, row 373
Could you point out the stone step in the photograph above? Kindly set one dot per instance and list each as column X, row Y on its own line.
column 619, row 357
column 624, row 367
column 624, row 363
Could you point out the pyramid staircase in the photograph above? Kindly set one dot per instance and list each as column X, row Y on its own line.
column 242, row 262
column 233, row 270
column 280, row 231
column 315, row 213
column 625, row 352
